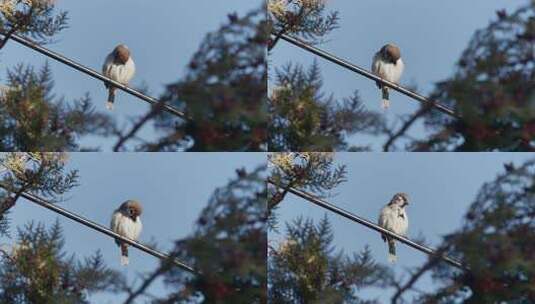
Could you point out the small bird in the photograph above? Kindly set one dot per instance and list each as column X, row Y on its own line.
column 393, row 217
column 125, row 221
column 119, row 66
column 387, row 64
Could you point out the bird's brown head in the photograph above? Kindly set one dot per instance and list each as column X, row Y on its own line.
column 401, row 199
column 133, row 209
column 122, row 54
column 391, row 53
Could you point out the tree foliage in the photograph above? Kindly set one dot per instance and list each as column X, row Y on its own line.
column 493, row 89
column 35, row 18
column 304, row 119
column 36, row 269
column 228, row 248
column 41, row 174
column 306, row 268
column 224, row 92
column 497, row 242
column 306, row 19
column 32, row 119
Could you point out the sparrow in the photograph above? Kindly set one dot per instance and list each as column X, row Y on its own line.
column 125, row 221
column 387, row 64
column 120, row 67
column 393, row 217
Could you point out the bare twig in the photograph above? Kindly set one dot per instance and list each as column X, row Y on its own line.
column 155, row 110
column 433, row 260
column 155, row 274
column 405, row 127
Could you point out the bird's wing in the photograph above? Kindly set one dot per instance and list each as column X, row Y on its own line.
column 375, row 63
column 115, row 221
column 383, row 221
column 107, row 64
column 382, row 218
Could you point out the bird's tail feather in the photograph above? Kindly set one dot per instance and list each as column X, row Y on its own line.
column 124, row 254
column 386, row 98
column 392, row 258
column 111, row 99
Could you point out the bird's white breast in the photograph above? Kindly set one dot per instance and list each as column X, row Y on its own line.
column 390, row 219
column 386, row 70
column 122, row 73
column 125, row 226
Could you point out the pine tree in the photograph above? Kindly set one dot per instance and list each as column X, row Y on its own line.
column 304, row 119
column 31, row 120
column 37, row 173
column 36, row 269
column 35, row 18
column 305, row 19
column 313, row 171
column 306, row 268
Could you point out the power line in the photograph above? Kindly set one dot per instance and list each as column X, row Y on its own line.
column 346, row 64
column 77, row 218
column 355, row 218
column 77, row 66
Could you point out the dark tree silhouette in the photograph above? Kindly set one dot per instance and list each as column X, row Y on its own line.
column 228, row 248
column 493, row 89
column 224, row 92
column 496, row 242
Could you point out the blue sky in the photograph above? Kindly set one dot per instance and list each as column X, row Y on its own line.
column 431, row 34
column 173, row 188
column 163, row 35
column 441, row 186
